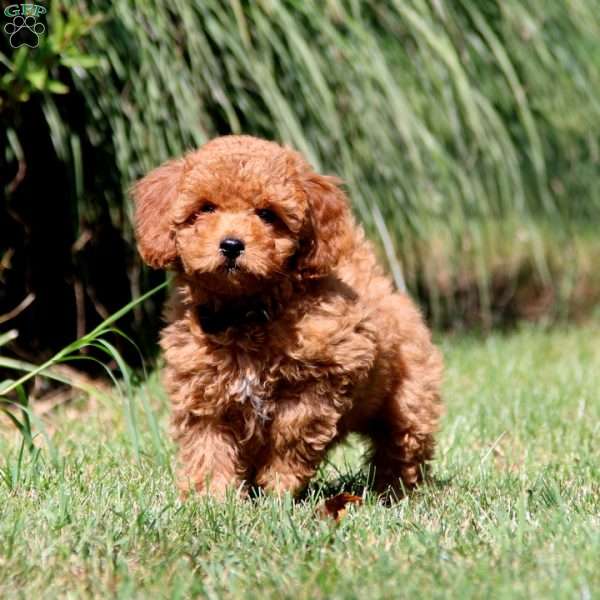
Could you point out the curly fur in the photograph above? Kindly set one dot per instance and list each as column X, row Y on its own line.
column 274, row 357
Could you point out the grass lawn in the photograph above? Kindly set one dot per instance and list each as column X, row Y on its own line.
column 513, row 511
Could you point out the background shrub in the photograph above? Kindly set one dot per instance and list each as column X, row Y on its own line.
column 466, row 132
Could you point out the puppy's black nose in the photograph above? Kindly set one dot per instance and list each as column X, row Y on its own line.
column 231, row 247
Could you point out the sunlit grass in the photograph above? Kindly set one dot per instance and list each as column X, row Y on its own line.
column 512, row 511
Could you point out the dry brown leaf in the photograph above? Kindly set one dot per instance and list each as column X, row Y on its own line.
column 335, row 507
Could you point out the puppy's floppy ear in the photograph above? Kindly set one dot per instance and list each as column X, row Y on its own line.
column 329, row 227
column 154, row 196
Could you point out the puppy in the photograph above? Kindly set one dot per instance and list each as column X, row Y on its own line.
column 284, row 334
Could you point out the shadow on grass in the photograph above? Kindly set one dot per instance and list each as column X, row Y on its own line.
column 360, row 483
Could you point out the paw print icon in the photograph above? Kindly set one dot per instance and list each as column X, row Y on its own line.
column 24, row 31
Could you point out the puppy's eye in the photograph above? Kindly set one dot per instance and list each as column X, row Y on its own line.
column 267, row 215
column 207, row 207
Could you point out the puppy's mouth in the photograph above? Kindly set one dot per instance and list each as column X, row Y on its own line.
column 231, row 270
column 231, row 266
column 230, row 275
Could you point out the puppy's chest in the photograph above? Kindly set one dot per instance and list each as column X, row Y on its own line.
column 256, row 382
column 250, row 387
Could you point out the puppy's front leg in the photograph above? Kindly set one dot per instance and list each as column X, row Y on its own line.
column 209, row 459
column 302, row 430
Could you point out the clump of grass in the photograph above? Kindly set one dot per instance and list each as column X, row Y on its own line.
column 13, row 393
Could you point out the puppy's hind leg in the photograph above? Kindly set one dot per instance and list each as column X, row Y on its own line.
column 403, row 431
column 399, row 457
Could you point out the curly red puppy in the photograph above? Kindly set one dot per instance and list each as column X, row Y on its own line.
column 284, row 333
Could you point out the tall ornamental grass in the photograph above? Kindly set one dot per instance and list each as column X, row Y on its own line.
column 466, row 131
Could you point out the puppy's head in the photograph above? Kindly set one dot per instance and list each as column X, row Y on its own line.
column 238, row 213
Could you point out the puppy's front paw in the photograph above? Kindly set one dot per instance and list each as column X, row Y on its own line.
column 218, row 488
column 281, row 479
